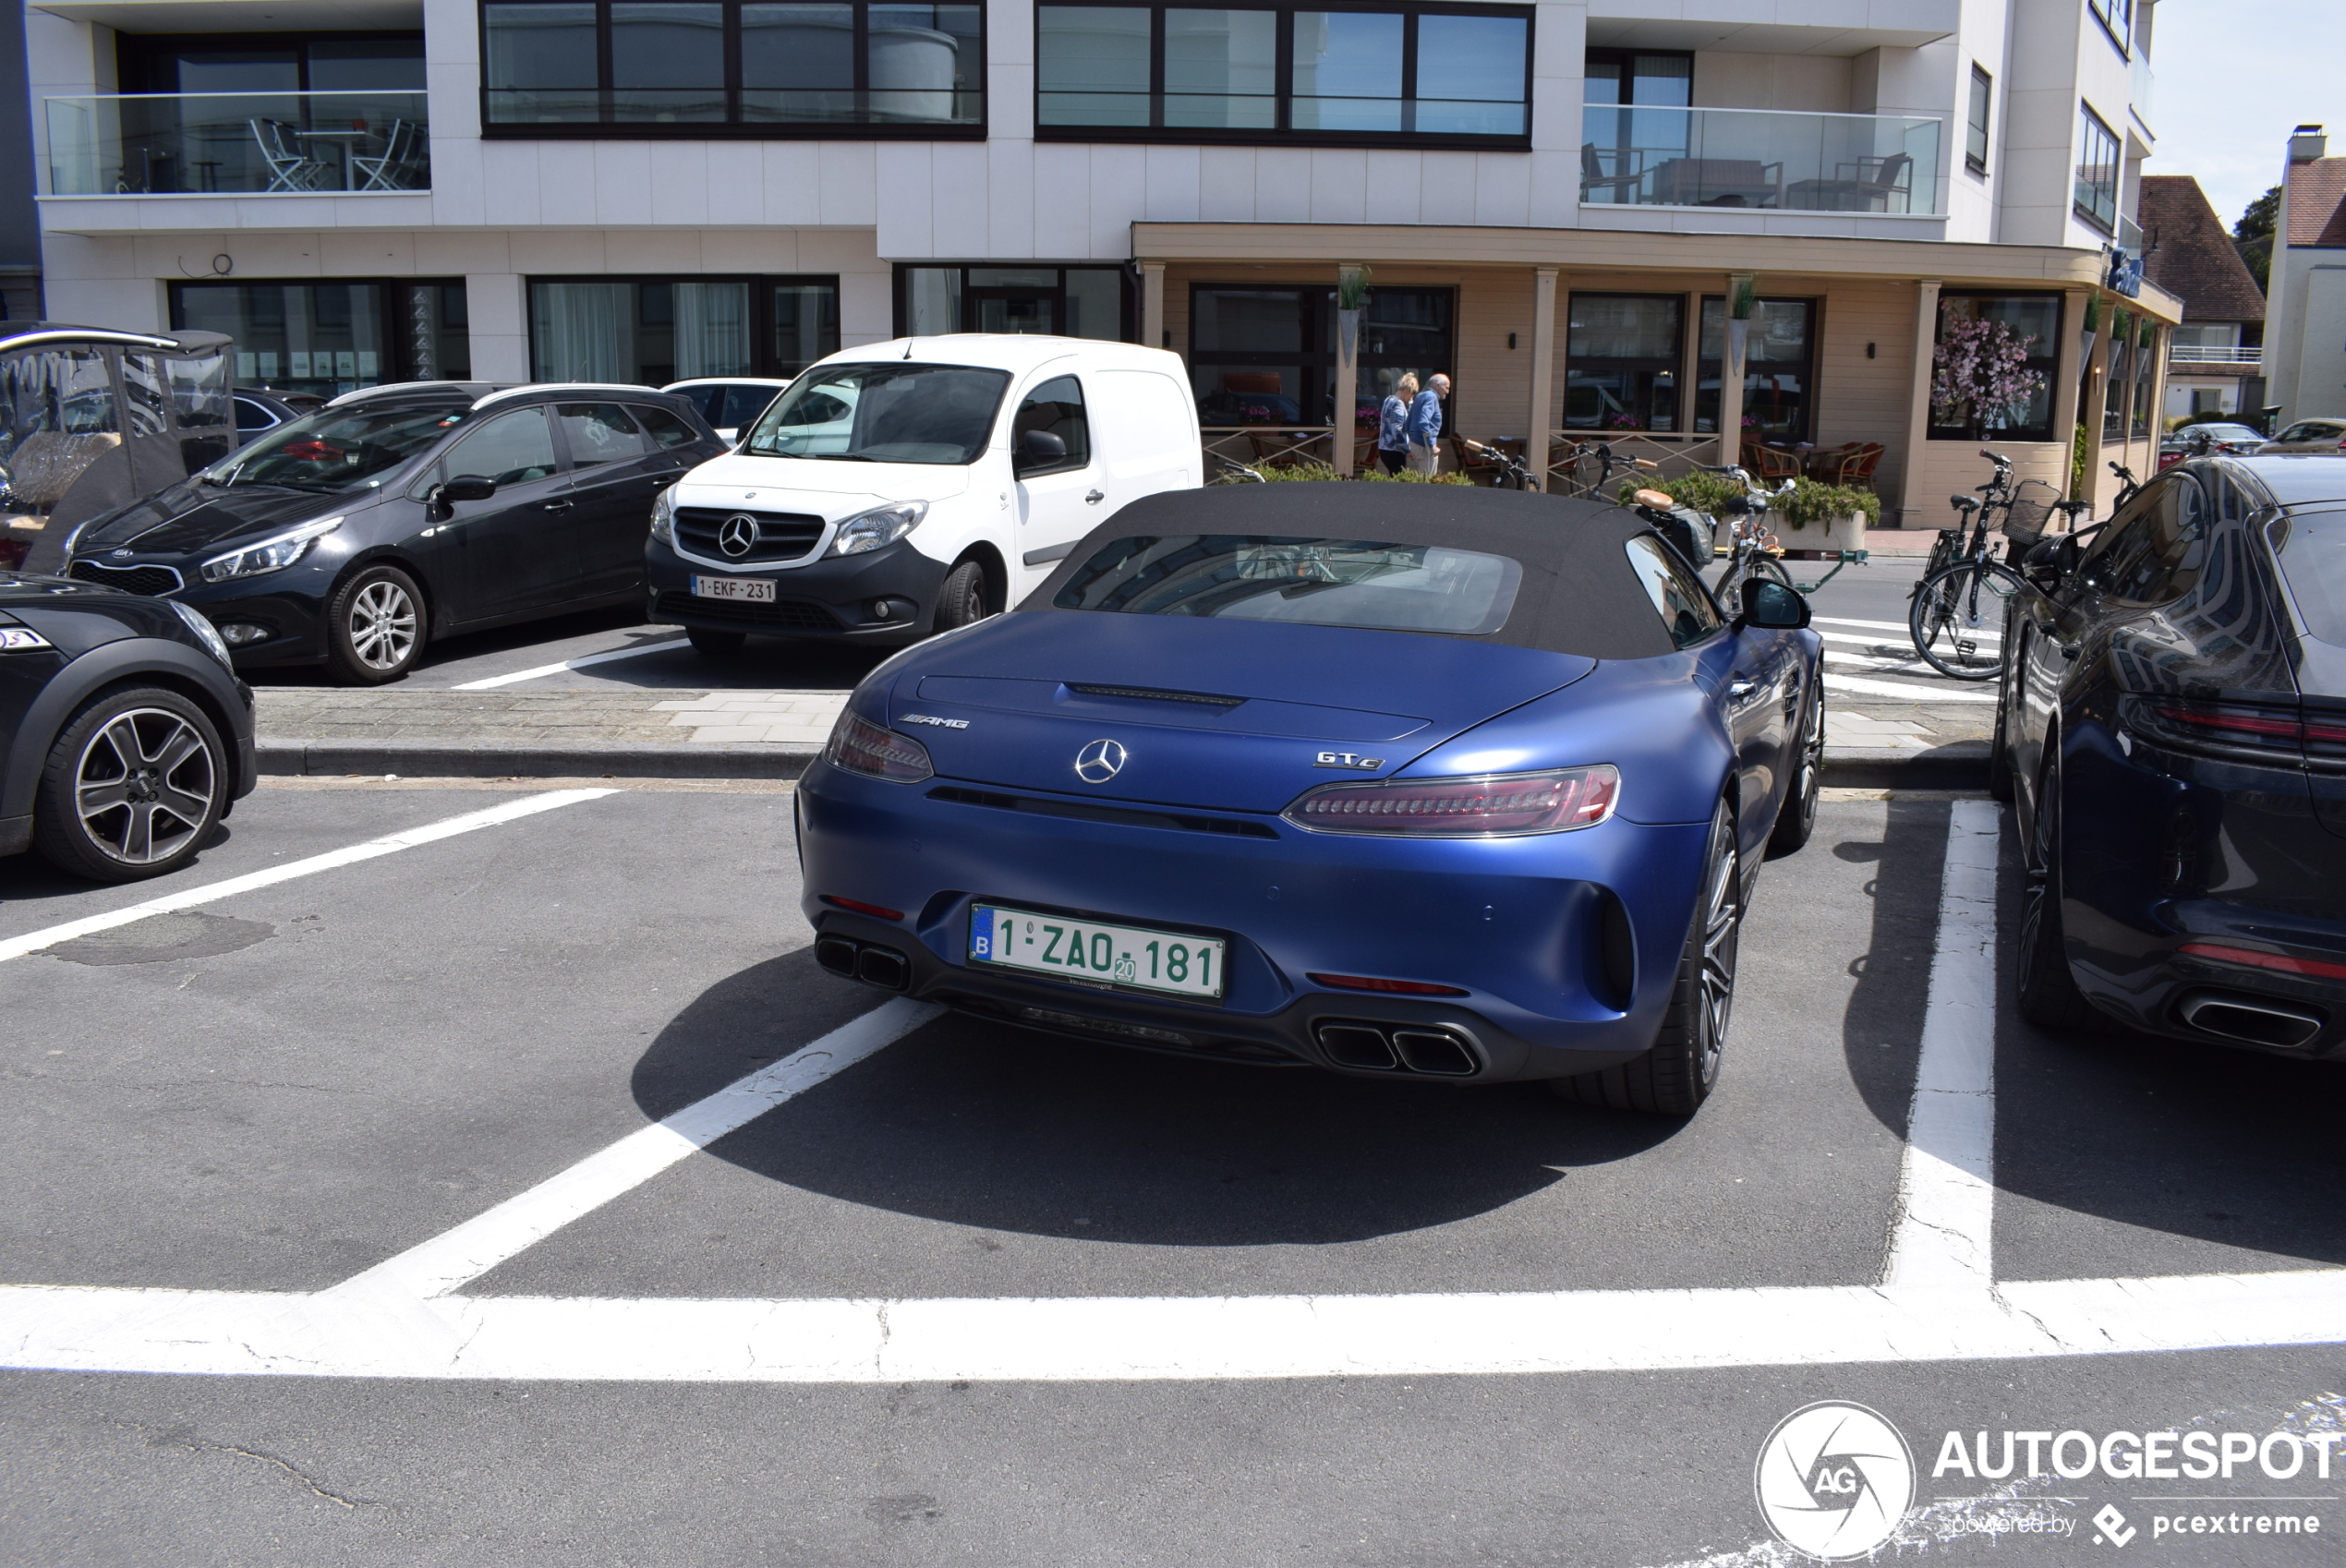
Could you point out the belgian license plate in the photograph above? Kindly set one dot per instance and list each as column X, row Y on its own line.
column 1133, row 956
column 757, row 590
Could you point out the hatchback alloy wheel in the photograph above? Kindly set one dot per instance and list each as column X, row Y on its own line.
column 383, row 625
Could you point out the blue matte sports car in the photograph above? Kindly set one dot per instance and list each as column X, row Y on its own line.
column 1404, row 780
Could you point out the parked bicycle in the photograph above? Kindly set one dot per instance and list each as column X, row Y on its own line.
column 1752, row 550
column 1512, row 474
column 1965, row 588
column 1607, row 460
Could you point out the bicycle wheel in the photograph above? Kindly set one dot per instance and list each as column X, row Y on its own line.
column 1957, row 619
column 1729, row 590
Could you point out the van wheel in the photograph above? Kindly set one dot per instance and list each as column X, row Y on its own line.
column 374, row 628
column 716, row 642
column 963, row 598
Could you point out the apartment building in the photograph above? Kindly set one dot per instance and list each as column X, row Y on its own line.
column 2306, row 324
column 1557, row 202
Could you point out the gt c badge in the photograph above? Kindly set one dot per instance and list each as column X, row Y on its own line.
column 1349, row 760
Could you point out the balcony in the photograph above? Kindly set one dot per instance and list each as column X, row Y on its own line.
column 2215, row 354
column 1769, row 159
column 238, row 144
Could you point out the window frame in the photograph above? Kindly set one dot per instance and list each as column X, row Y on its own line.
column 731, row 129
column 1315, row 365
column 1682, row 418
column 1982, row 129
column 1815, row 306
column 2088, row 124
column 2117, row 19
column 400, row 360
column 2046, row 361
column 1075, row 462
column 901, row 291
column 761, row 309
column 1279, row 134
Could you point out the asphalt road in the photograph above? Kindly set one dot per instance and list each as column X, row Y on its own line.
column 309, row 1085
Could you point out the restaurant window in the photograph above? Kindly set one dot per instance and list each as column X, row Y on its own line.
column 1983, row 92
column 1446, row 75
column 1779, row 385
column 1267, row 355
column 1992, row 367
column 748, row 68
column 2096, row 195
column 1647, row 92
column 2118, row 380
column 1068, row 302
column 2145, row 367
column 324, row 339
column 649, row 331
column 1621, row 362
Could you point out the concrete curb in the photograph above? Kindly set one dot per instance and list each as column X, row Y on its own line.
column 1959, row 765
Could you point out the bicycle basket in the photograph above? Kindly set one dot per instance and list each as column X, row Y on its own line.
column 2031, row 509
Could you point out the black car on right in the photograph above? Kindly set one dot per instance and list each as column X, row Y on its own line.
column 2172, row 730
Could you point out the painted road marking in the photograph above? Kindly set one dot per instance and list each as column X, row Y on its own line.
column 1940, row 1302
column 580, row 663
column 187, row 897
column 1951, row 692
column 1898, row 626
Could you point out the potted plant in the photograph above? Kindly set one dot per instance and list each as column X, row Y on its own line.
column 1826, row 517
column 1351, row 294
column 1743, row 299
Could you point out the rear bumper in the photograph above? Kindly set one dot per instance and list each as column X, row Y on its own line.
column 2217, row 992
column 832, row 598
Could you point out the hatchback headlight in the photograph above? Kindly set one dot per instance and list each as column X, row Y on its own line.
column 881, row 526
column 664, row 516
column 269, row 555
column 206, row 633
column 1486, row 805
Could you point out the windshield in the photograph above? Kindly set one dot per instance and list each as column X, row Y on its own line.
column 1313, row 582
column 2311, row 548
column 335, row 448
column 885, row 413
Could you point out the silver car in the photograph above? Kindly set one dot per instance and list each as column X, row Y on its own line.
column 2308, row 435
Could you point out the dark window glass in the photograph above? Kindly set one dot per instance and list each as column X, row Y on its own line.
column 1076, row 302
column 744, row 403
column 1686, row 610
column 598, row 433
column 1215, row 74
column 513, row 448
column 1056, row 407
column 323, row 339
column 541, row 65
column 664, row 428
column 651, row 332
column 667, row 61
column 2311, row 548
column 884, row 413
column 1993, row 367
column 2146, row 362
column 1976, row 127
column 1312, row 582
column 1648, row 93
column 1621, row 362
column 2096, row 195
column 1779, row 386
column 366, row 65
column 1267, row 355
column 337, row 447
column 2146, row 563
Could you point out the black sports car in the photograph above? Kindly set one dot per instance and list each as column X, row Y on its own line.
column 2172, row 727
column 352, row 535
column 124, row 737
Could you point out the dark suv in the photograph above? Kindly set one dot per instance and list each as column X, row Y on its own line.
column 353, row 534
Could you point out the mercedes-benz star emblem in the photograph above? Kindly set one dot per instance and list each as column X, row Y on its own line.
column 737, row 535
column 1099, row 761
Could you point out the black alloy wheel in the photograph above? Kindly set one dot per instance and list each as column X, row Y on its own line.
column 374, row 627
column 1796, row 817
column 2049, row 992
column 1999, row 781
column 1677, row 1074
column 133, row 786
column 715, row 644
column 963, row 598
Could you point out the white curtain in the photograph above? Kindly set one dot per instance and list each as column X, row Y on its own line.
column 583, row 331
column 712, row 330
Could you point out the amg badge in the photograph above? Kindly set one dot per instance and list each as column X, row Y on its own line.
column 940, row 723
column 1351, row 760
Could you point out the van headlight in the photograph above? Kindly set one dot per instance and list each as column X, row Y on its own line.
column 270, row 554
column 664, row 516
column 875, row 530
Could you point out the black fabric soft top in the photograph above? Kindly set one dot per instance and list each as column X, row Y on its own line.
column 1580, row 594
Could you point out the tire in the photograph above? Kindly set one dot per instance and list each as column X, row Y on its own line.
column 961, row 599
column 715, row 644
column 1730, row 593
column 1796, row 817
column 2000, row 783
column 2049, row 992
column 1678, row 1072
column 375, row 628
column 133, row 787
column 1947, row 610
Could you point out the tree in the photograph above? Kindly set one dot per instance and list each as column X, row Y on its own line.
column 2252, row 236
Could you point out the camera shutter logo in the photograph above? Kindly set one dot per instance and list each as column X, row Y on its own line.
column 1834, row 1480
column 1099, row 761
column 737, row 535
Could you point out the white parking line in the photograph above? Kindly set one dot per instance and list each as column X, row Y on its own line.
column 580, row 663
column 187, row 897
column 1950, row 693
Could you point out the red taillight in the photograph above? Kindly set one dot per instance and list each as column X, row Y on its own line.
column 859, row 906
column 2230, row 720
column 1394, row 987
column 2266, row 735
column 2280, row 963
column 1473, row 807
column 860, row 746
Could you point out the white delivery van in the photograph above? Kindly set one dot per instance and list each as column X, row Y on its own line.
column 911, row 487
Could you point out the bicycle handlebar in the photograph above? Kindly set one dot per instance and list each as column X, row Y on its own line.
column 2003, row 464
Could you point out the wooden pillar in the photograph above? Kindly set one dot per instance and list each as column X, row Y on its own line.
column 1911, row 511
column 1544, row 360
column 1152, row 305
column 1730, row 373
column 1343, row 439
column 2066, row 379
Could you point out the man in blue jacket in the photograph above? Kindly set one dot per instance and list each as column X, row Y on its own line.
column 1426, row 426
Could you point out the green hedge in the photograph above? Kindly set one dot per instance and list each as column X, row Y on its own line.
column 1310, row 473
column 1808, row 502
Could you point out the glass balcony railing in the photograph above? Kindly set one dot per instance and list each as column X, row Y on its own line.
column 239, row 143
column 1779, row 160
column 2130, row 235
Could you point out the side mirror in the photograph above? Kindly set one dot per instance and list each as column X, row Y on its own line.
column 1038, row 449
column 468, row 487
column 1770, row 606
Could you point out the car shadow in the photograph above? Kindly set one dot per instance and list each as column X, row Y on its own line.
column 980, row 1124
column 29, row 878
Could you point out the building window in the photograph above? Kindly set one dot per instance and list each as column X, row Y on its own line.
column 653, row 331
column 323, row 339
column 743, row 68
column 242, row 62
column 2117, row 18
column 1975, row 152
column 2097, row 197
column 1450, row 74
column 1993, row 367
column 1071, row 301
column 1267, row 355
column 1622, row 354
column 1779, row 386
column 2146, row 365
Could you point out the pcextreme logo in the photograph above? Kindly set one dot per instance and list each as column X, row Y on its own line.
column 1834, row 1480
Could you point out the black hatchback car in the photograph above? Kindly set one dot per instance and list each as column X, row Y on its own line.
column 2172, row 727
column 124, row 737
column 353, row 534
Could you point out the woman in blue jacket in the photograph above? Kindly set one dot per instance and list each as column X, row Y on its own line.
column 1393, row 424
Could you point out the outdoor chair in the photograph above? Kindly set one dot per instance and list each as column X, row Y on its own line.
column 1593, row 174
column 1481, row 467
column 1856, row 187
column 1768, row 464
column 395, row 169
column 1277, row 449
column 1857, row 469
column 289, row 168
column 1718, row 182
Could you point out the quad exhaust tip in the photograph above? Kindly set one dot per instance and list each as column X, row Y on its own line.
column 865, row 962
column 2254, row 1023
column 1382, row 1047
